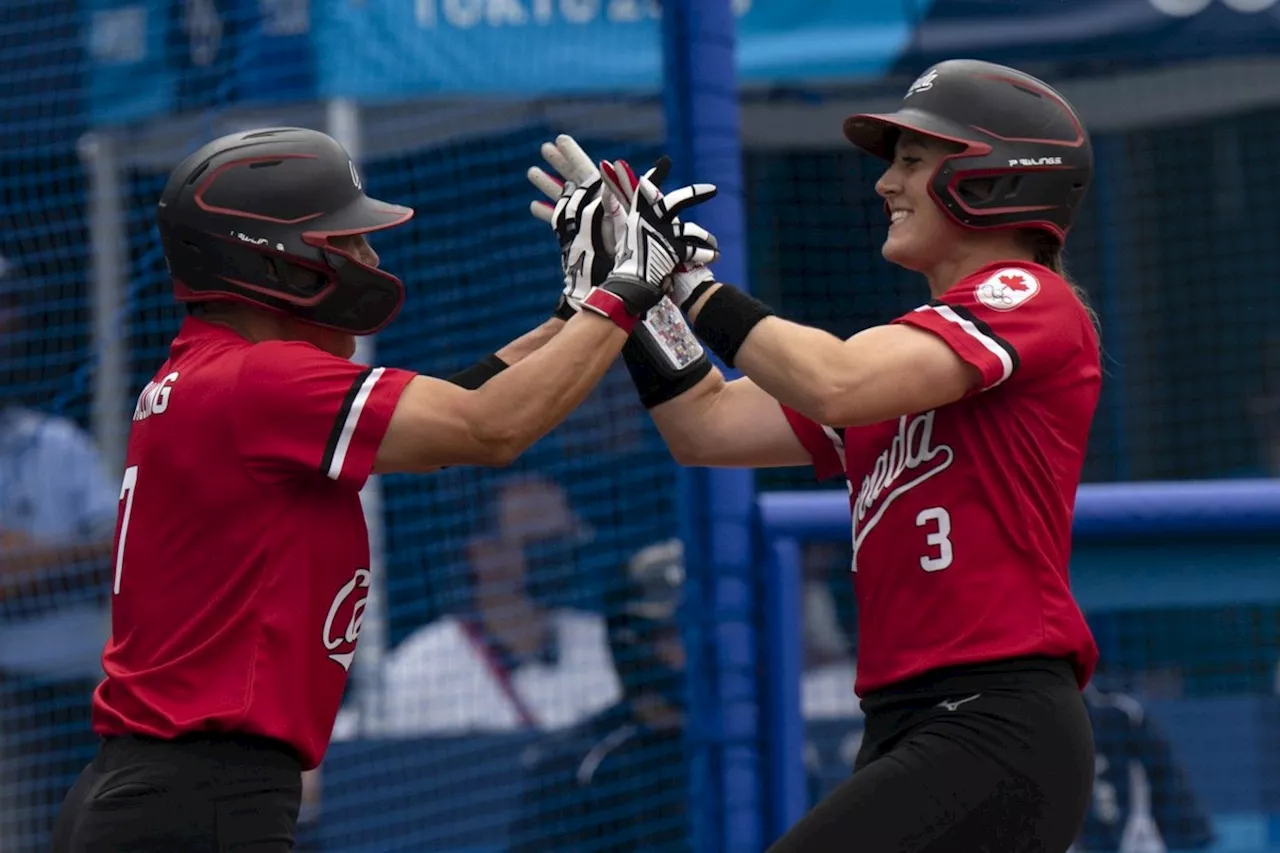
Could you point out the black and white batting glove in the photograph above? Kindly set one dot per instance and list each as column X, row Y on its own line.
column 651, row 244
column 691, row 278
column 582, row 218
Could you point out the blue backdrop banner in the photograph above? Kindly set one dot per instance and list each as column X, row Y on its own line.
column 153, row 57
column 232, row 51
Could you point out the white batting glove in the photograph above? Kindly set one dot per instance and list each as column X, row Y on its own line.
column 691, row 277
column 582, row 218
column 648, row 247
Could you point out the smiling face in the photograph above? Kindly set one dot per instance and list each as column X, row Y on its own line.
column 921, row 237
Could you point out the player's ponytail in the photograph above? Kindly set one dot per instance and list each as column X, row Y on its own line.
column 1047, row 252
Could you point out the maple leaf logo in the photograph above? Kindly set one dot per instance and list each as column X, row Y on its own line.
column 1014, row 282
column 1006, row 289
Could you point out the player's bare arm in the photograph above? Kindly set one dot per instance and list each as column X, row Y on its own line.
column 437, row 423
column 876, row 375
column 728, row 424
column 530, row 342
column 475, row 375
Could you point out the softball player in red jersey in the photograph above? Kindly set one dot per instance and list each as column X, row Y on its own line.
column 961, row 430
column 241, row 553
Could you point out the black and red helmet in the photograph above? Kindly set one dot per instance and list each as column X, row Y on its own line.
column 1026, row 160
column 249, row 217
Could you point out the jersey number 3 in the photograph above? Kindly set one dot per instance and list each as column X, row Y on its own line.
column 126, row 494
column 938, row 522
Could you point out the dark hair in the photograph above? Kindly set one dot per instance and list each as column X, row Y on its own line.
column 1047, row 252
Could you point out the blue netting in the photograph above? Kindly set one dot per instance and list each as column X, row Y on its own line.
column 44, row 333
column 101, row 98
column 428, row 755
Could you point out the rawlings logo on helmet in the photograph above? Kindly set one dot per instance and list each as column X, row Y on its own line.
column 923, row 83
column 1035, row 161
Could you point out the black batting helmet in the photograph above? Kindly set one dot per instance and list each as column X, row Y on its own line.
column 249, row 217
column 1026, row 160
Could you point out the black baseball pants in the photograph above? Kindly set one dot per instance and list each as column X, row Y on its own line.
column 996, row 758
column 210, row 794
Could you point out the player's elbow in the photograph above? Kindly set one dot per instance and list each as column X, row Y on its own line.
column 499, row 435
column 688, row 451
column 500, row 448
column 677, row 433
column 840, row 400
column 690, row 424
column 496, row 441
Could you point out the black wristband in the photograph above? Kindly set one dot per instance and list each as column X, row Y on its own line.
column 479, row 373
column 726, row 319
column 653, row 383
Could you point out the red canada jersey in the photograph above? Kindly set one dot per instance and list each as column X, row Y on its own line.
column 241, row 552
column 962, row 515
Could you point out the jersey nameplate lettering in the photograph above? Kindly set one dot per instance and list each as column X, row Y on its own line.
column 1006, row 289
column 909, row 460
column 356, row 591
column 154, row 399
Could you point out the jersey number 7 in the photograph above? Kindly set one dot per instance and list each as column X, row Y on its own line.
column 126, row 494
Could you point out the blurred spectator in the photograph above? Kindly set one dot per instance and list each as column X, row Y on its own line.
column 617, row 471
column 617, row 782
column 1142, row 799
column 510, row 661
column 827, row 621
column 57, row 518
column 826, row 564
